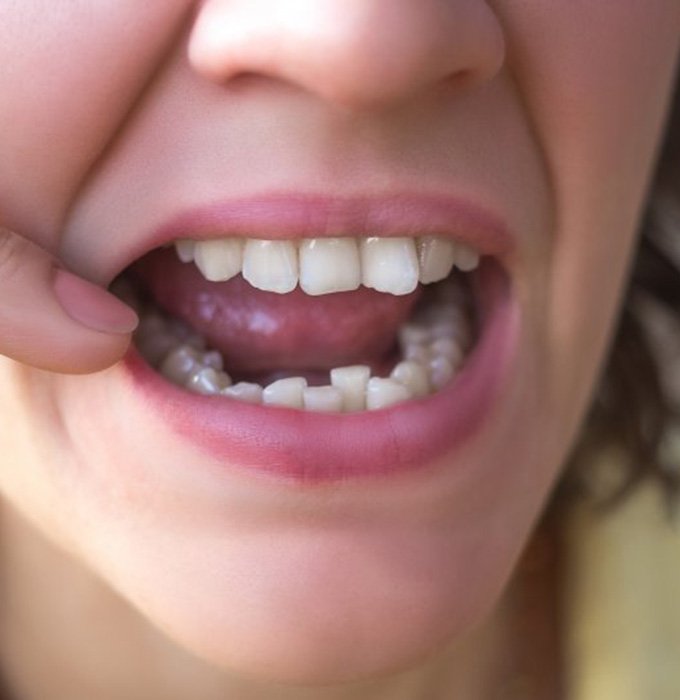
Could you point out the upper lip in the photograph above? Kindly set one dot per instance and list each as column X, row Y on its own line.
column 285, row 215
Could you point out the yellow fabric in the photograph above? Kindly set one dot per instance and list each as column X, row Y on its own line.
column 623, row 602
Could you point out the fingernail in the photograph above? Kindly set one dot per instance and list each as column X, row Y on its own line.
column 93, row 306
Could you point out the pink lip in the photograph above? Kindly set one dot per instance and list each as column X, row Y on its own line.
column 290, row 216
column 309, row 448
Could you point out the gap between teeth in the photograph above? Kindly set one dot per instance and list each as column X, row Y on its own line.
column 433, row 349
column 327, row 265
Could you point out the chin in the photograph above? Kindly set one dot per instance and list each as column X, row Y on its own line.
column 312, row 607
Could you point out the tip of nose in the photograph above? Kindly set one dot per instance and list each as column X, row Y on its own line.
column 370, row 59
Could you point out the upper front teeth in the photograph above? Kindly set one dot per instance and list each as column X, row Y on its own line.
column 390, row 265
column 219, row 259
column 270, row 265
column 328, row 265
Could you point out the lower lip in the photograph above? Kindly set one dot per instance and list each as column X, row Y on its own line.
column 315, row 448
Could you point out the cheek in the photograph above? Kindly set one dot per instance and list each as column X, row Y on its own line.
column 76, row 72
column 32, row 447
column 596, row 77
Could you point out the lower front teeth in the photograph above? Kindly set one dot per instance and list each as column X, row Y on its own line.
column 351, row 382
column 432, row 351
column 323, row 399
column 414, row 376
column 286, row 392
column 208, row 381
column 246, row 392
column 382, row 393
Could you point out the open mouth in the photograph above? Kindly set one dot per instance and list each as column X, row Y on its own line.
column 324, row 357
column 327, row 324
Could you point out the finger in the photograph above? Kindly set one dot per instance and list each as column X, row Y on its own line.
column 54, row 320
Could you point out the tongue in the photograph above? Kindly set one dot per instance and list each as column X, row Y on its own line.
column 260, row 331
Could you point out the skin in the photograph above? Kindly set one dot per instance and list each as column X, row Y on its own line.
column 205, row 582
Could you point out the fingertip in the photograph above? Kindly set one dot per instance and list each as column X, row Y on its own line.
column 92, row 306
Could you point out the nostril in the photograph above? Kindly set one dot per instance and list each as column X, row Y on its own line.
column 246, row 80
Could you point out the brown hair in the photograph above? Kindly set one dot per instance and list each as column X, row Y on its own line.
column 635, row 410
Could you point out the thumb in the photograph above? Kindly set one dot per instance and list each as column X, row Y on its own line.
column 53, row 319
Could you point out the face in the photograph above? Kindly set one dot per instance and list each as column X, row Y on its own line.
column 281, row 542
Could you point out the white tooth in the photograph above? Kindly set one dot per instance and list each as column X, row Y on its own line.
column 389, row 265
column 208, row 381
column 414, row 377
column 286, row 392
column 246, row 392
column 213, row 359
column 185, row 250
column 441, row 371
column 219, row 260
column 412, row 333
column 381, row 393
column 448, row 348
column 271, row 265
column 179, row 365
column 329, row 265
column 458, row 330
column 351, row 383
column 467, row 259
column 322, row 399
column 155, row 348
column 416, row 352
column 436, row 257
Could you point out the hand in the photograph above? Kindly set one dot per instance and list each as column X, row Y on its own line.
column 54, row 320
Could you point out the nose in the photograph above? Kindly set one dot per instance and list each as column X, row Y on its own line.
column 354, row 53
